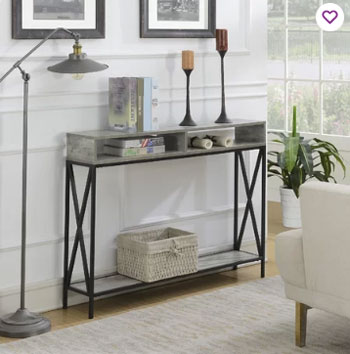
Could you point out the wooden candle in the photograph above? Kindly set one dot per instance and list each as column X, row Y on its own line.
column 188, row 60
column 221, row 40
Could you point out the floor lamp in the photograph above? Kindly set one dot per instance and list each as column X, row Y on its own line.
column 24, row 323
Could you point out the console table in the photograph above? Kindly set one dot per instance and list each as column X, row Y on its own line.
column 87, row 149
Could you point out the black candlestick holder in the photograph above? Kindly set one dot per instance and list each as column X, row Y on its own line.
column 188, row 121
column 223, row 116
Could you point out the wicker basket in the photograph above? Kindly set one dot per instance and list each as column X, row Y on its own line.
column 159, row 254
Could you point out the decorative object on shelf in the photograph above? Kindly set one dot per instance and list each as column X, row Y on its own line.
column 221, row 141
column 300, row 161
column 188, row 66
column 35, row 19
column 24, row 323
column 177, row 19
column 133, row 151
column 159, row 254
column 155, row 104
column 222, row 48
column 199, row 143
column 131, row 104
column 144, row 104
column 123, row 96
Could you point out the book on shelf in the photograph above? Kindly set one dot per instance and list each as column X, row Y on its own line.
column 155, row 105
column 123, row 103
column 136, row 143
column 144, row 104
column 133, row 104
column 124, row 152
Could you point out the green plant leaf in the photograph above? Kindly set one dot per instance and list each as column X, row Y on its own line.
column 291, row 152
column 305, row 155
column 329, row 147
column 325, row 164
column 296, row 180
column 281, row 160
column 281, row 135
column 275, row 172
column 277, row 141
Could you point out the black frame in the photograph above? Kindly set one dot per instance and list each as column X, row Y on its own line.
column 146, row 32
column 19, row 33
column 90, row 189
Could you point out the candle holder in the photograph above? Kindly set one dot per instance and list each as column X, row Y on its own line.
column 188, row 121
column 223, row 116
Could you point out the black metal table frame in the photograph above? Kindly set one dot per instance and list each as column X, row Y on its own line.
column 90, row 189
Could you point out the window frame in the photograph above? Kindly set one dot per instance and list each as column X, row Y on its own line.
column 321, row 81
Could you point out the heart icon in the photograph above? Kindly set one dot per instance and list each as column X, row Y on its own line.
column 330, row 16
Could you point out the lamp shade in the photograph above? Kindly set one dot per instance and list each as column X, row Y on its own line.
column 77, row 64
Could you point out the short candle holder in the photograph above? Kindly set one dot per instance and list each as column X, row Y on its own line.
column 223, row 116
column 188, row 121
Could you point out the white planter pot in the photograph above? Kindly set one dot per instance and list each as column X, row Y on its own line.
column 290, row 208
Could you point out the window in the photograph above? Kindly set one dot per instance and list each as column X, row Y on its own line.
column 308, row 68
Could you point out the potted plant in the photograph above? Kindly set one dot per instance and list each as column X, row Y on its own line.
column 300, row 161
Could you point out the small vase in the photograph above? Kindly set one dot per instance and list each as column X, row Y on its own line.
column 290, row 208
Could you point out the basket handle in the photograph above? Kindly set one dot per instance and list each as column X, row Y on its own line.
column 175, row 250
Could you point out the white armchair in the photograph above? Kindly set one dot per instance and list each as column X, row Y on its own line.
column 314, row 262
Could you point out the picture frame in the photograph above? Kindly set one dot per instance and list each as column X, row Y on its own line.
column 35, row 19
column 177, row 18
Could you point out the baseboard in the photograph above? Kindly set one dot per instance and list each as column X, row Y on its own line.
column 47, row 295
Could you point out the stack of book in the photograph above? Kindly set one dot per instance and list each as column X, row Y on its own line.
column 133, row 104
column 135, row 147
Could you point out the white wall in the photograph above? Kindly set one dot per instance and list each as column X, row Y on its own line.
column 194, row 194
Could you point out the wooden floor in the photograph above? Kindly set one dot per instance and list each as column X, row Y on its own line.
column 109, row 307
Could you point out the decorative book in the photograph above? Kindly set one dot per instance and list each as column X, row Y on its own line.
column 123, row 103
column 144, row 104
column 114, row 151
column 136, row 143
column 133, row 104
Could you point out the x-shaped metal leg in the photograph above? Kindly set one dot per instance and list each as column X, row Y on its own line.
column 249, row 209
column 90, row 189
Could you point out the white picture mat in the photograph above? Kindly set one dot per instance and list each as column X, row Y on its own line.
column 28, row 21
column 202, row 24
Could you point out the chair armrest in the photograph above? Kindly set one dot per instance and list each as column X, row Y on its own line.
column 290, row 257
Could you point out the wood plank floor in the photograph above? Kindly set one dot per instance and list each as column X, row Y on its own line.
column 115, row 305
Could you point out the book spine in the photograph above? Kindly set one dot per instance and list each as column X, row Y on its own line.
column 155, row 105
column 140, row 104
column 108, row 150
column 118, row 102
column 133, row 103
column 135, row 143
column 147, row 103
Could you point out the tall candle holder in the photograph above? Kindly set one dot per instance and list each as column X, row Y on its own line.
column 188, row 121
column 187, row 66
column 222, row 47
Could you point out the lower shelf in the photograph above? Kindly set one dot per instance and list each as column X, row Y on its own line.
column 117, row 284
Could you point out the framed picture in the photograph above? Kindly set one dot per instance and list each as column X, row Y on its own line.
column 178, row 18
column 35, row 19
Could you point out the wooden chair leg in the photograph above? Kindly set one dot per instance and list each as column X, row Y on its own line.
column 300, row 324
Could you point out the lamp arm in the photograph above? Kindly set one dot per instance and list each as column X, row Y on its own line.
column 75, row 35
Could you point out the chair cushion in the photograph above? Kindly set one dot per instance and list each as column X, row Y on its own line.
column 289, row 257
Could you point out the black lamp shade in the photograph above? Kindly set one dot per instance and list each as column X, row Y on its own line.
column 77, row 64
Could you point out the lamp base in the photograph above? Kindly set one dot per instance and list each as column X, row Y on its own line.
column 188, row 122
column 223, row 119
column 23, row 324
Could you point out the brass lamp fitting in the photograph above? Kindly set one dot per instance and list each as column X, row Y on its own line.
column 77, row 48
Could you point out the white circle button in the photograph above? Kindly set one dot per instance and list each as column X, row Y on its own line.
column 330, row 17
